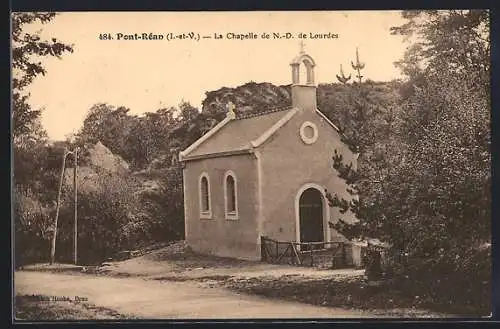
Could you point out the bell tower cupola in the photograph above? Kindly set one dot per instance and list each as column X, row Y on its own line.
column 303, row 92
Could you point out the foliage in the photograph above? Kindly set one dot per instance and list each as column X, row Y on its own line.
column 103, row 213
column 453, row 40
column 33, row 226
column 429, row 195
column 151, row 142
column 343, row 79
column 358, row 66
column 31, row 165
column 346, row 104
column 109, row 125
column 27, row 49
column 33, row 168
column 403, row 298
column 36, row 176
column 368, row 120
column 141, row 140
column 249, row 98
column 162, row 209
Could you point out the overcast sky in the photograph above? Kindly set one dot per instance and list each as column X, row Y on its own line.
column 146, row 75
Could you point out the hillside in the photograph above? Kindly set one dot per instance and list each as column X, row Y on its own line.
column 249, row 98
column 333, row 99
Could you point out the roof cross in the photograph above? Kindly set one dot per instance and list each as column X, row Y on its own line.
column 230, row 110
column 302, row 45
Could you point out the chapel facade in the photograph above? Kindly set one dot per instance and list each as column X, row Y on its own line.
column 265, row 175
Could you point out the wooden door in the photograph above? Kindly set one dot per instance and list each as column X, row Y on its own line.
column 311, row 216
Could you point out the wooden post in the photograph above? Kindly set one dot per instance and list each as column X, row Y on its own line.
column 294, row 248
column 263, row 256
column 75, row 191
column 54, row 236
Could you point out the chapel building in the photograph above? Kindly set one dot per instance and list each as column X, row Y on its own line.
column 265, row 175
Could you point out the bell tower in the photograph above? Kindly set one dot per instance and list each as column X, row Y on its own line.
column 303, row 92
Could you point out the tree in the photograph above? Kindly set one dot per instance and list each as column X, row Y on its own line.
column 33, row 171
column 162, row 208
column 358, row 66
column 446, row 123
column 27, row 49
column 343, row 79
column 108, row 124
column 453, row 40
column 430, row 197
column 29, row 137
column 366, row 131
column 103, row 213
column 149, row 138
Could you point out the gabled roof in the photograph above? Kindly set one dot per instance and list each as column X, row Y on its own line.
column 241, row 134
column 238, row 134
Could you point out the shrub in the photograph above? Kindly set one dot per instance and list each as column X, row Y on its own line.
column 103, row 211
column 33, row 227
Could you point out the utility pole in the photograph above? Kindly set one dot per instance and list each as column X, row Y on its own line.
column 75, row 187
column 58, row 204
column 54, row 236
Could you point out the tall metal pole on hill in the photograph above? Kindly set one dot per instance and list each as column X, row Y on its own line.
column 75, row 187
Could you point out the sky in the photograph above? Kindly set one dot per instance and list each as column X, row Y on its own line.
column 145, row 75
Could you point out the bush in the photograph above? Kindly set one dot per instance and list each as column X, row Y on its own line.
column 372, row 260
column 162, row 209
column 33, row 227
column 103, row 213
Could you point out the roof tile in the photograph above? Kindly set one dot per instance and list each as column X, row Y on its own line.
column 238, row 133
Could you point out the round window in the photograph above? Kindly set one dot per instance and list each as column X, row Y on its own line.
column 308, row 132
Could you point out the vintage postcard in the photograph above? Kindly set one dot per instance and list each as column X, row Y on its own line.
column 251, row 165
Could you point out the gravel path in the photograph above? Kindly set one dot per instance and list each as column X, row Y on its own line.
column 182, row 264
column 153, row 299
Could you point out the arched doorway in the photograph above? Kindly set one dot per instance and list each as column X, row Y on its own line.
column 311, row 216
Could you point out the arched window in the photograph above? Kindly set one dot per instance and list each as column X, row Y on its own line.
column 204, row 196
column 231, row 195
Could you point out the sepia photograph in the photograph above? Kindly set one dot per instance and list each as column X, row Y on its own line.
column 251, row 165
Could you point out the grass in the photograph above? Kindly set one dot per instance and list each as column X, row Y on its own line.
column 54, row 268
column 42, row 308
column 389, row 298
column 218, row 278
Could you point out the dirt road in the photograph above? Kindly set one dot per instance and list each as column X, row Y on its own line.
column 154, row 299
